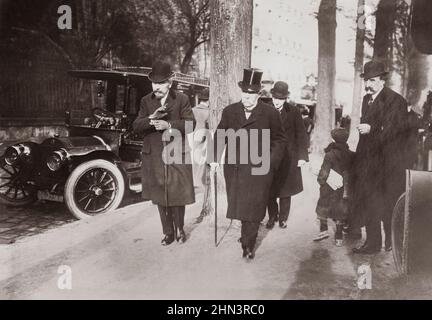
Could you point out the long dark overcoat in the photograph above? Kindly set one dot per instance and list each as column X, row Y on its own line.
column 248, row 193
column 331, row 204
column 172, row 184
column 288, row 180
column 380, row 160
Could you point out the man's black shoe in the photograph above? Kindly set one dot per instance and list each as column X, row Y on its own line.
column 248, row 254
column 167, row 240
column 270, row 224
column 388, row 248
column 283, row 224
column 182, row 237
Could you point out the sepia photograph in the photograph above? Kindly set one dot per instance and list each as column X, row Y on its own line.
column 237, row 151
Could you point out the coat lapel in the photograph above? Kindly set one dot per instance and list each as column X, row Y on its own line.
column 155, row 103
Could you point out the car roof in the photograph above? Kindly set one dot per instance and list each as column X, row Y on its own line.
column 134, row 74
column 108, row 75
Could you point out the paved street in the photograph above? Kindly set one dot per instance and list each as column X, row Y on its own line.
column 119, row 256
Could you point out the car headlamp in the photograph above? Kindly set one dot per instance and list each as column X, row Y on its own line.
column 57, row 159
column 14, row 153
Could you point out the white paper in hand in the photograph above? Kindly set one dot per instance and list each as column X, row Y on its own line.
column 334, row 180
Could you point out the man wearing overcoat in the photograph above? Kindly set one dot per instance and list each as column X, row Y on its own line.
column 169, row 186
column 248, row 182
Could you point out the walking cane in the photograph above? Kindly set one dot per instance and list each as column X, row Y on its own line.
column 215, row 210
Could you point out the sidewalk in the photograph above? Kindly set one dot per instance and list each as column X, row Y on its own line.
column 120, row 257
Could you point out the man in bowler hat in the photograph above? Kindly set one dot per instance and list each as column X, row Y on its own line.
column 288, row 180
column 169, row 186
column 247, row 192
column 379, row 163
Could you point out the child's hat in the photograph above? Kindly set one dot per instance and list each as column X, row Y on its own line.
column 340, row 135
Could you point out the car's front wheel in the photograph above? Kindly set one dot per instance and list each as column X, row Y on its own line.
column 93, row 188
column 14, row 187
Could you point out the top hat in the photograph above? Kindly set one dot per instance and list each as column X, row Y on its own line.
column 161, row 71
column 204, row 94
column 251, row 80
column 340, row 135
column 280, row 90
column 373, row 69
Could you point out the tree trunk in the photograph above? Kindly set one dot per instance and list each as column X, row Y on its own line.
column 358, row 66
column 230, row 52
column 385, row 17
column 184, row 68
column 418, row 77
column 326, row 75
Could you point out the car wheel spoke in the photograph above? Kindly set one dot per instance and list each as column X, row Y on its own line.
column 83, row 198
column 23, row 191
column 4, row 185
column 8, row 191
column 103, row 177
column 10, row 173
column 88, row 203
column 107, row 182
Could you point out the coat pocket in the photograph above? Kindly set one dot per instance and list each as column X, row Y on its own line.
column 146, row 148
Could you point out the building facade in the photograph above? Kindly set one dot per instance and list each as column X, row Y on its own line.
column 284, row 42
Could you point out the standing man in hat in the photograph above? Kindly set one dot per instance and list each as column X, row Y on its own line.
column 247, row 190
column 288, row 180
column 379, row 164
column 169, row 186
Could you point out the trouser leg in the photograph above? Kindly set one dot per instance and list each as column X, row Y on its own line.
column 373, row 232
column 166, row 220
column 338, row 233
column 273, row 208
column 178, row 214
column 285, row 206
column 323, row 225
column 249, row 233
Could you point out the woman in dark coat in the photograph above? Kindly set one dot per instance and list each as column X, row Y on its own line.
column 288, row 179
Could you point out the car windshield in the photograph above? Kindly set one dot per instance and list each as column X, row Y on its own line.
column 108, row 96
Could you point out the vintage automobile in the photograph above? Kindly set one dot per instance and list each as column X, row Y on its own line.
column 98, row 161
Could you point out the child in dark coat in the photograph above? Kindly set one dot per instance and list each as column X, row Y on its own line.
column 333, row 203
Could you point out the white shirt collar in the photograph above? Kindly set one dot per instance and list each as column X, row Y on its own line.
column 162, row 101
column 373, row 96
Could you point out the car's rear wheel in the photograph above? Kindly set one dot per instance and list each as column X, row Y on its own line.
column 14, row 187
column 94, row 187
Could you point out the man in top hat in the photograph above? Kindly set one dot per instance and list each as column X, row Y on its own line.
column 247, row 190
column 288, row 180
column 169, row 186
column 379, row 164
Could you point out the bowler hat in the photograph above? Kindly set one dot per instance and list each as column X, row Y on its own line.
column 340, row 135
column 204, row 94
column 161, row 71
column 280, row 90
column 373, row 69
column 251, row 80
